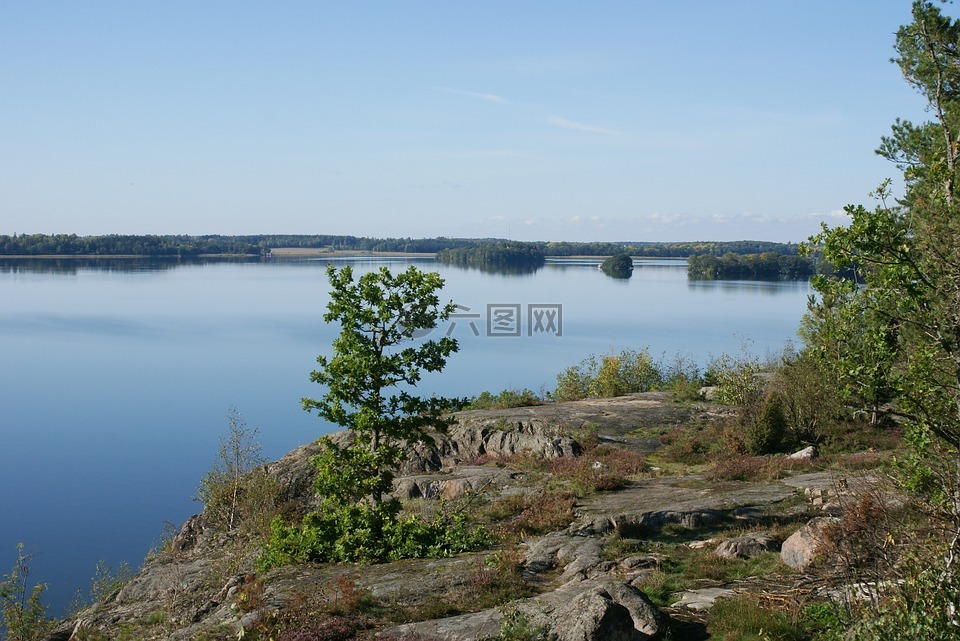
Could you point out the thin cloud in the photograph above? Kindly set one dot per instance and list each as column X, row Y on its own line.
column 483, row 153
column 489, row 97
column 579, row 126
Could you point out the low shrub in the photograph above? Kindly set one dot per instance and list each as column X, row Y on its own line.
column 506, row 399
column 369, row 534
column 736, row 379
column 683, row 378
column 331, row 628
column 764, row 424
column 516, row 627
column 573, row 383
column 602, row 469
column 690, row 445
column 498, row 583
column 625, row 372
column 863, row 541
column 531, row 514
column 755, row 468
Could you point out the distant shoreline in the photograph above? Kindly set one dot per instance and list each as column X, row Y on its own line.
column 319, row 251
column 301, row 252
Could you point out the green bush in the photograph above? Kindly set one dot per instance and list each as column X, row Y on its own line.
column 811, row 400
column 626, row 372
column 683, row 378
column 364, row 533
column 767, row 432
column 736, row 379
column 573, row 383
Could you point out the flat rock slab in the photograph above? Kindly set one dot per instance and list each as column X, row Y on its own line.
column 702, row 599
column 677, row 496
column 614, row 416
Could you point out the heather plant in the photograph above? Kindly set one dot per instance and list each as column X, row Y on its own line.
column 601, row 469
column 531, row 514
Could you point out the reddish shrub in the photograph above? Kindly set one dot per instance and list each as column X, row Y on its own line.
column 330, row 629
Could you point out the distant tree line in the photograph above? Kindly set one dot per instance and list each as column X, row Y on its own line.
column 496, row 255
column 765, row 266
column 667, row 250
column 118, row 245
column 182, row 245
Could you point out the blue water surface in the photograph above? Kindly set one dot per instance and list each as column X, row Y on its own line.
column 117, row 375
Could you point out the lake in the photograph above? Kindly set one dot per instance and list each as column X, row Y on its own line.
column 118, row 374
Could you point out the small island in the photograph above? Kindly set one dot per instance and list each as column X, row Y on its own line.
column 618, row 266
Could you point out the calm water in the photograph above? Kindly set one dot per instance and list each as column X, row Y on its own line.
column 117, row 375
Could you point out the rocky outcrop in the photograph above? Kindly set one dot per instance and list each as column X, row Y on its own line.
column 589, row 574
column 477, row 435
column 598, row 610
column 473, row 437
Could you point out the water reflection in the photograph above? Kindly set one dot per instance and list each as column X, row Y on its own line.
column 73, row 266
column 765, row 287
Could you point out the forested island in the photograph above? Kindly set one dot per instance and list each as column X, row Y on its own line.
column 618, row 266
column 496, row 255
column 765, row 266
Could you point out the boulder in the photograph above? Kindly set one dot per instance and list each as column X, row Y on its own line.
column 594, row 616
column 747, row 547
column 806, row 454
column 801, row 548
column 647, row 619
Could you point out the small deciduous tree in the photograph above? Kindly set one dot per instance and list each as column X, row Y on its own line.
column 23, row 615
column 369, row 379
column 238, row 490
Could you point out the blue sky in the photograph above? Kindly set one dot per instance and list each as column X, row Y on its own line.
column 641, row 120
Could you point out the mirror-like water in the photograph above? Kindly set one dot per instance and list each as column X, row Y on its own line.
column 117, row 375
